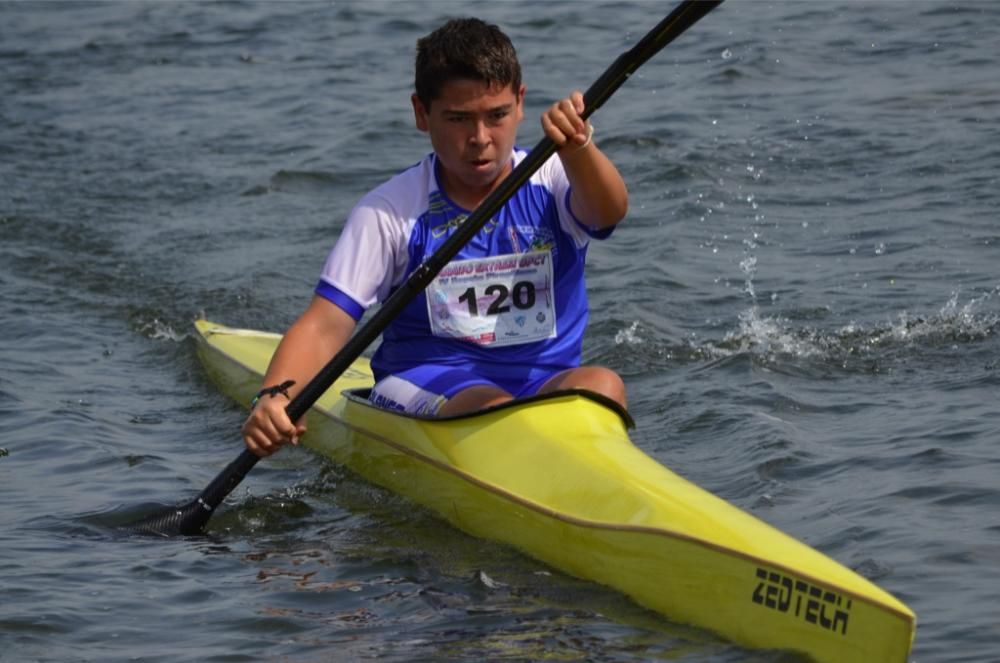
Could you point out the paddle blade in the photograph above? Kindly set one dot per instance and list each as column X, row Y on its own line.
column 186, row 520
column 191, row 518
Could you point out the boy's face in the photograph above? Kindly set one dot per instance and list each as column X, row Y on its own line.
column 472, row 128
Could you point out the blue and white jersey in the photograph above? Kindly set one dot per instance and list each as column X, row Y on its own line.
column 512, row 304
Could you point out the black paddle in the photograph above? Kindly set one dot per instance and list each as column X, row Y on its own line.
column 190, row 518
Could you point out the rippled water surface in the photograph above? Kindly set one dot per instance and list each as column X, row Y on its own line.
column 804, row 300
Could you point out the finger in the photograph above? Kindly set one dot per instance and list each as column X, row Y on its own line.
column 297, row 434
column 557, row 135
column 280, row 429
column 584, row 137
column 275, row 422
column 289, row 436
column 574, row 123
column 559, row 124
column 259, row 446
column 261, row 437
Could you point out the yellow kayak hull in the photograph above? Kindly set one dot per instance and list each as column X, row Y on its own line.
column 559, row 479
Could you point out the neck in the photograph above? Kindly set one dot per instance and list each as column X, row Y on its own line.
column 465, row 195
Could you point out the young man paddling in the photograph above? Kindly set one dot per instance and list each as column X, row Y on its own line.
column 506, row 317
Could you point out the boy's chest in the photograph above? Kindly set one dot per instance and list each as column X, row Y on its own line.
column 510, row 232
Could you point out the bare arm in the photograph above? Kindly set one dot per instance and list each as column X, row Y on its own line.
column 599, row 198
column 312, row 340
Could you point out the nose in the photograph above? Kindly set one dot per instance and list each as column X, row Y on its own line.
column 481, row 134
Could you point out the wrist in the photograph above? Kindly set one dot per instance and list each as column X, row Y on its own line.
column 570, row 147
column 272, row 392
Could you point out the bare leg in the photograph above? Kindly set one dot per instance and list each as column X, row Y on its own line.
column 598, row 379
column 473, row 399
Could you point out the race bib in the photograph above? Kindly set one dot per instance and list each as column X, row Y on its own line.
column 496, row 301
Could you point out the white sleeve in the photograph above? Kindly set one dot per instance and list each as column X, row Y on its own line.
column 370, row 256
column 554, row 177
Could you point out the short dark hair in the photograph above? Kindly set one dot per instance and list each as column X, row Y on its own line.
column 464, row 48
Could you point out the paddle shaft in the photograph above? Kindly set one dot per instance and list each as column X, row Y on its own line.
column 680, row 19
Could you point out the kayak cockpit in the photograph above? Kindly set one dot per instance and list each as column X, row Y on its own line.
column 361, row 396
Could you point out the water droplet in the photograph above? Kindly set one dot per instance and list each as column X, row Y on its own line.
column 629, row 335
column 726, row 54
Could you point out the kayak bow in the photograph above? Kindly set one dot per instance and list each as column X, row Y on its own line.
column 610, row 513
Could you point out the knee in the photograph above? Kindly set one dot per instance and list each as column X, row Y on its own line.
column 473, row 399
column 597, row 379
column 610, row 384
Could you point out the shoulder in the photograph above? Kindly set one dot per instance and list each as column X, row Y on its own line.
column 550, row 174
column 551, row 185
column 404, row 195
column 548, row 182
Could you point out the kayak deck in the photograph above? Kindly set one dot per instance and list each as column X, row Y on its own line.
column 558, row 478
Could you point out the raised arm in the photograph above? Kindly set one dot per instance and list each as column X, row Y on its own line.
column 599, row 197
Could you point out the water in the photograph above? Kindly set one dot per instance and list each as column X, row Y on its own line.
column 804, row 302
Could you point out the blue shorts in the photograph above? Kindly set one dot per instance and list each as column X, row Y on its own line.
column 424, row 389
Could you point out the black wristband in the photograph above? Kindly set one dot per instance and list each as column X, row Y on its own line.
column 272, row 392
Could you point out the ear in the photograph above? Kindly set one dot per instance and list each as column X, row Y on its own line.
column 419, row 113
column 520, row 102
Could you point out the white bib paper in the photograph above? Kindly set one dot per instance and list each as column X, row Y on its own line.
column 496, row 301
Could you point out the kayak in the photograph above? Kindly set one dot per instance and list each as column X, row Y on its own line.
column 558, row 478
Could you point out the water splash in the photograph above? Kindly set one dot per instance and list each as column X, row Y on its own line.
column 778, row 339
column 770, row 337
column 629, row 335
column 748, row 265
column 954, row 322
column 152, row 326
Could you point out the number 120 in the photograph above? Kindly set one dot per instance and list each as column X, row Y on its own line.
column 522, row 296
